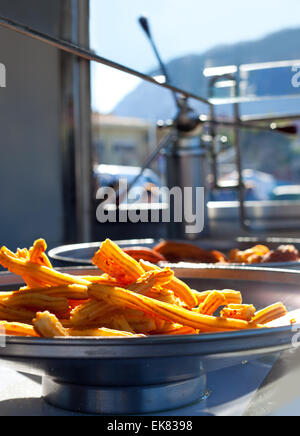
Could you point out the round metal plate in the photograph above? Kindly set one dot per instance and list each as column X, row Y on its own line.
column 111, row 366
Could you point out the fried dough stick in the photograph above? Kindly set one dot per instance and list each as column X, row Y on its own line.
column 48, row 326
column 176, row 329
column 104, row 279
column 270, row 313
column 37, row 253
column 23, row 255
column 56, row 300
column 38, row 302
column 138, row 320
column 145, row 326
column 71, row 292
column 17, row 329
column 102, row 332
column 151, row 280
column 165, row 311
column 231, row 297
column 91, row 313
column 180, row 289
column 43, row 275
column 164, row 296
column 96, row 313
column 119, row 322
column 15, row 314
column 239, row 311
column 117, row 264
column 212, row 303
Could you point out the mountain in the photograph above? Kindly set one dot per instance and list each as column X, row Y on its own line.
column 152, row 102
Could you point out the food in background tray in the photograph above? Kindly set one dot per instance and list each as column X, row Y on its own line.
column 144, row 253
column 284, row 253
column 127, row 299
column 176, row 252
column 251, row 256
column 262, row 254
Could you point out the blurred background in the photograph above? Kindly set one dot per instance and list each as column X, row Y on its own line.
column 70, row 125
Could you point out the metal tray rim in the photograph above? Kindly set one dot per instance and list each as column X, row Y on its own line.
column 55, row 253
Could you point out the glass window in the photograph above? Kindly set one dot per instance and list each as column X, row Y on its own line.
column 195, row 39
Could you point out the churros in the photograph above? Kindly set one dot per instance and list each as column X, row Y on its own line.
column 179, row 288
column 17, row 329
column 48, row 326
column 119, row 265
column 239, row 311
column 165, row 311
column 270, row 313
column 126, row 299
column 212, row 303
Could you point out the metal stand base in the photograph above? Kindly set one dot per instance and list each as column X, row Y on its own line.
column 123, row 400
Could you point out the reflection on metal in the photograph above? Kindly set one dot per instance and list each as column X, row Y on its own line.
column 220, row 71
column 237, row 124
column 186, row 166
column 267, row 218
column 237, row 145
column 258, row 210
column 270, row 65
column 251, row 87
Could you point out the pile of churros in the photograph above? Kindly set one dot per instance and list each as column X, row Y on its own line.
column 127, row 298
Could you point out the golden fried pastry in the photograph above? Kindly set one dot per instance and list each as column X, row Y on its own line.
column 113, row 261
column 165, row 311
column 270, row 313
column 251, row 256
column 284, row 253
column 48, row 326
column 239, row 311
column 180, row 289
column 17, row 329
column 144, row 253
column 212, row 303
column 178, row 251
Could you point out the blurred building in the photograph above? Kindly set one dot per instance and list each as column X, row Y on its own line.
column 121, row 140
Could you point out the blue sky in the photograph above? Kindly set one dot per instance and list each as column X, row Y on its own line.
column 180, row 27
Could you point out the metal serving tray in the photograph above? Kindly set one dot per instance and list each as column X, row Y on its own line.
column 145, row 375
column 82, row 254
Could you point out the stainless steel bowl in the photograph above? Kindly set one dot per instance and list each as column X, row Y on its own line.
column 143, row 375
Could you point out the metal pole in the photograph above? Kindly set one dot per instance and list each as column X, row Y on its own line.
column 83, row 142
column 76, row 125
column 89, row 55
